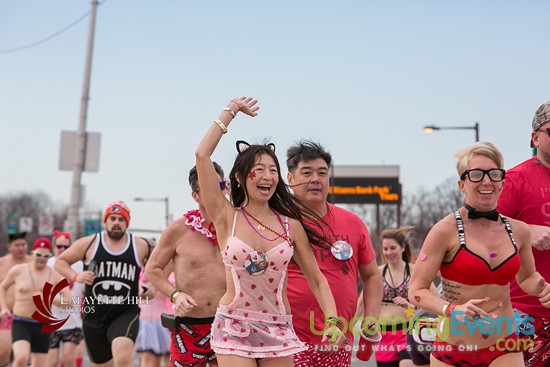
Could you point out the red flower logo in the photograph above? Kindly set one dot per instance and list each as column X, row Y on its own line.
column 43, row 305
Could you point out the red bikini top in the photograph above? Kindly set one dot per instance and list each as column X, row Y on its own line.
column 469, row 268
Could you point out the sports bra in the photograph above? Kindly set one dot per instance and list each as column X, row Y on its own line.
column 469, row 268
column 400, row 291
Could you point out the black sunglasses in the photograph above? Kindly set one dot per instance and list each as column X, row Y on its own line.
column 477, row 175
column 547, row 131
column 62, row 246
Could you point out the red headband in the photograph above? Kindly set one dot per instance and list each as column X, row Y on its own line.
column 59, row 234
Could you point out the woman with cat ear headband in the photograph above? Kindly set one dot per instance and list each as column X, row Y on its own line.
column 259, row 233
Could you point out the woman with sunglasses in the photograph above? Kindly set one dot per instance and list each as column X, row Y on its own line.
column 478, row 252
column 259, row 233
column 68, row 339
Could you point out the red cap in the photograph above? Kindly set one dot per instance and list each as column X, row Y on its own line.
column 42, row 242
column 117, row 207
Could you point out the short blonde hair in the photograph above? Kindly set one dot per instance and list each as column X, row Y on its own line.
column 482, row 148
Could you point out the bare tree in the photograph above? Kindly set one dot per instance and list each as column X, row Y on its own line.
column 425, row 208
column 32, row 205
column 421, row 209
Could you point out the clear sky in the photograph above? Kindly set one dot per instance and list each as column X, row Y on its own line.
column 361, row 77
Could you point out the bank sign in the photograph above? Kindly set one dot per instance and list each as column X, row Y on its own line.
column 365, row 185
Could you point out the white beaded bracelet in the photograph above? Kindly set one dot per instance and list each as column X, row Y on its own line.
column 230, row 111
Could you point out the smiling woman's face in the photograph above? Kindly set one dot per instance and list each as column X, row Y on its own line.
column 263, row 179
column 482, row 195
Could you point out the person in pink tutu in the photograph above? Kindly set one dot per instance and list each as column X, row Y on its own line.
column 153, row 340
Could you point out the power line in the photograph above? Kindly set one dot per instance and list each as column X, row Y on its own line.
column 49, row 37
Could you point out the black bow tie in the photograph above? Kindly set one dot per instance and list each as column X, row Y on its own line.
column 475, row 214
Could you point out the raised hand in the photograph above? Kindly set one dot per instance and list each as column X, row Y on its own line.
column 246, row 105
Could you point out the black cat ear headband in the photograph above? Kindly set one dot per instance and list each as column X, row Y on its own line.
column 243, row 145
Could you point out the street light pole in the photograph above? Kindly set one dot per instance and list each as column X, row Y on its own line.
column 71, row 225
column 166, row 206
column 431, row 128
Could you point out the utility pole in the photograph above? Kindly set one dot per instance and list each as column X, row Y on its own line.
column 71, row 224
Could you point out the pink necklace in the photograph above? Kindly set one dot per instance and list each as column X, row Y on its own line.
column 279, row 235
column 195, row 221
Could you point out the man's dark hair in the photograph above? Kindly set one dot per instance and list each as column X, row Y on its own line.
column 194, row 179
column 305, row 150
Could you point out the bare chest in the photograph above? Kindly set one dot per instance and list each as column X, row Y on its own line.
column 197, row 252
column 6, row 264
column 31, row 282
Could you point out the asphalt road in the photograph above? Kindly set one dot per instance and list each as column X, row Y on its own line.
column 354, row 362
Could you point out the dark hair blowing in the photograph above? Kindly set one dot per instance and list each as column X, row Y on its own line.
column 305, row 150
column 282, row 201
column 194, row 178
column 401, row 235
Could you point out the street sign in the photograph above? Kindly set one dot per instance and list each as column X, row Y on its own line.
column 25, row 224
column 92, row 226
column 12, row 224
column 45, row 225
column 67, row 151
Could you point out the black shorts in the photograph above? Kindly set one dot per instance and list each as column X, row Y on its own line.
column 419, row 353
column 99, row 336
column 402, row 356
column 66, row 336
column 31, row 331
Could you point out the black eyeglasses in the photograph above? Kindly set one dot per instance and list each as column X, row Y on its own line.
column 477, row 175
column 38, row 254
column 62, row 246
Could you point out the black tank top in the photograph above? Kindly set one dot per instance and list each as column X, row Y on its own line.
column 116, row 285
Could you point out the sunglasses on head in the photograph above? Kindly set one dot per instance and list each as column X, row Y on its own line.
column 38, row 254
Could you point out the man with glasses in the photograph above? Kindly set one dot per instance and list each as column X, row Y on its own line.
column 70, row 334
column 17, row 254
column 28, row 279
column 526, row 197
column 190, row 243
